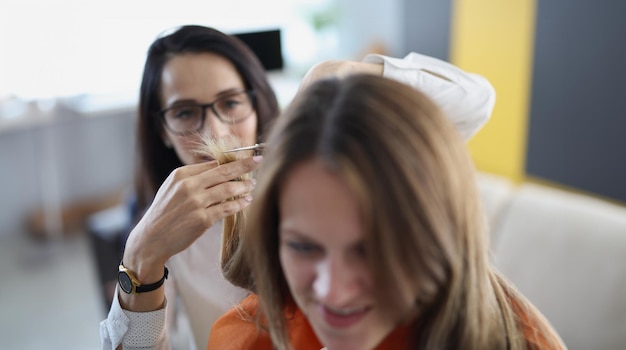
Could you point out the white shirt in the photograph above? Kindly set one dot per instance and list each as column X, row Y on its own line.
column 196, row 295
column 195, row 276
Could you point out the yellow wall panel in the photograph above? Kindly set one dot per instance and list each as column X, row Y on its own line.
column 495, row 39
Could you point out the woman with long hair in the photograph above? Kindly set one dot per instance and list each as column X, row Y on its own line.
column 366, row 232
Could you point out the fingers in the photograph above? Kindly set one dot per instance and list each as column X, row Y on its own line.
column 228, row 190
column 229, row 197
column 229, row 171
column 190, row 170
column 228, row 207
column 208, row 195
column 234, row 206
column 215, row 190
column 191, row 199
column 195, row 169
column 189, row 179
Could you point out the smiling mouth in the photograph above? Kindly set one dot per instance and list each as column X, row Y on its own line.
column 342, row 318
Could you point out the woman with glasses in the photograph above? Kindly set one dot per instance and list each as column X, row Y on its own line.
column 199, row 83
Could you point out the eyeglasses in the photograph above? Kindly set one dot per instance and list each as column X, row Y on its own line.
column 189, row 118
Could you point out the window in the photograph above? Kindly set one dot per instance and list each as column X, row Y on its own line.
column 63, row 48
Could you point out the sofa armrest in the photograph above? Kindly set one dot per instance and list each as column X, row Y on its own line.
column 495, row 193
column 567, row 253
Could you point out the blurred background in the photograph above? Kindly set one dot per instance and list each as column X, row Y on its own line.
column 69, row 79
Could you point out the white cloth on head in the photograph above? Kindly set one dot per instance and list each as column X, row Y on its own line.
column 467, row 99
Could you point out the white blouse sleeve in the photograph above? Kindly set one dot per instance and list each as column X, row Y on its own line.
column 133, row 330
column 466, row 98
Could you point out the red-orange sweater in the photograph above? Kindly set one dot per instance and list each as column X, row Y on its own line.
column 234, row 331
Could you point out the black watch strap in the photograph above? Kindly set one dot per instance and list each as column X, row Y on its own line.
column 130, row 284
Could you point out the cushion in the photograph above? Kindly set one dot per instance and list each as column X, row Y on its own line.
column 567, row 253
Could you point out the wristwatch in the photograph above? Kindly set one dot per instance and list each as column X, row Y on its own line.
column 130, row 284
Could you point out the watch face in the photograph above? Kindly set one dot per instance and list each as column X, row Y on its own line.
column 125, row 283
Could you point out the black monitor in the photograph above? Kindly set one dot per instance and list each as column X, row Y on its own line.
column 266, row 45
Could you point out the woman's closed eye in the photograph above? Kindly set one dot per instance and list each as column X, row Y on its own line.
column 304, row 248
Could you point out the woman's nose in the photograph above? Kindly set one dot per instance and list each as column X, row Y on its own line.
column 214, row 127
column 337, row 282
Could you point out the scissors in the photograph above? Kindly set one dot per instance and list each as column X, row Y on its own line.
column 256, row 147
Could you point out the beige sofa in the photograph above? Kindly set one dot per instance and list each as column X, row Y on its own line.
column 567, row 253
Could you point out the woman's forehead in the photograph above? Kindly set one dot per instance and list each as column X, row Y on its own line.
column 318, row 203
column 200, row 77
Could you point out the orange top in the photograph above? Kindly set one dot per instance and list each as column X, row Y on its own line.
column 235, row 331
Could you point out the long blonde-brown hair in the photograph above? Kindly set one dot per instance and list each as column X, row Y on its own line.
column 424, row 227
column 232, row 261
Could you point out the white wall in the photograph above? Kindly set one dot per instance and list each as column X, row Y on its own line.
column 61, row 155
column 367, row 21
